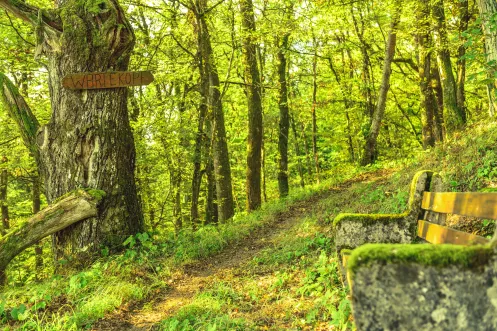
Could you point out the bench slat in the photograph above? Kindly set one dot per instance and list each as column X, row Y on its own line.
column 438, row 234
column 476, row 204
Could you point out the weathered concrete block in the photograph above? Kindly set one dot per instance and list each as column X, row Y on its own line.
column 424, row 287
column 354, row 230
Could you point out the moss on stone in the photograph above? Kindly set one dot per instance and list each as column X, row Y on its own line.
column 424, row 254
column 368, row 219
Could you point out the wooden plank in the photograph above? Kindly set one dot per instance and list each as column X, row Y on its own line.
column 103, row 80
column 476, row 204
column 438, row 234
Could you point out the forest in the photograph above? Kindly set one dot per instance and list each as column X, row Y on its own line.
column 200, row 194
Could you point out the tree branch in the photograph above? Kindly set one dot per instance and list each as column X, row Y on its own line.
column 8, row 141
column 17, row 31
column 408, row 61
column 29, row 14
column 75, row 207
column 19, row 110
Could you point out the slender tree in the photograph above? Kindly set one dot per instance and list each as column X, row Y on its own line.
column 488, row 10
column 4, row 206
column 254, row 98
column 427, row 98
column 313, row 112
column 455, row 116
column 36, row 209
column 463, row 17
column 370, row 149
column 222, row 168
column 284, row 123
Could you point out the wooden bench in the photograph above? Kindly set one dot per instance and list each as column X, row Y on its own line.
column 430, row 278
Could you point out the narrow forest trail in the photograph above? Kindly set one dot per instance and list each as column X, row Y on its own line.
column 227, row 267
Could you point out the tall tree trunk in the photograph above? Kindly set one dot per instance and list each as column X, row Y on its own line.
column 200, row 141
column 254, row 98
column 284, row 124
column 314, row 118
column 366, row 63
column 455, row 117
column 222, row 168
column 464, row 17
column 297, row 153
column 370, row 150
column 211, row 209
column 488, row 10
column 424, row 69
column 436, row 85
column 36, row 210
column 306, row 150
column 4, row 181
column 177, row 212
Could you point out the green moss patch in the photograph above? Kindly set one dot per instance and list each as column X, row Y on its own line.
column 425, row 254
column 369, row 219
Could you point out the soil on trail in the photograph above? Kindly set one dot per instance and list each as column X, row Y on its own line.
column 226, row 265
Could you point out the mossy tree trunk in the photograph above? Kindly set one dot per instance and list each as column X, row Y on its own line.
column 455, row 117
column 488, row 10
column 88, row 140
column 70, row 209
column 463, row 17
column 313, row 111
column 427, row 98
column 370, row 146
column 300, row 168
column 254, row 97
column 36, row 209
column 367, row 85
column 4, row 181
column 284, row 123
column 222, row 167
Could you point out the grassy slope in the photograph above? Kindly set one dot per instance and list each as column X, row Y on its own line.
column 289, row 283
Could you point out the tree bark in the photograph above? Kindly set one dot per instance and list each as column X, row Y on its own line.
column 284, row 123
column 427, row 98
column 254, row 98
column 36, row 210
column 464, row 17
column 488, row 10
column 297, row 152
column 75, row 207
column 222, row 168
column 370, row 149
column 88, row 141
column 455, row 117
column 314, row 118
column 366, row 63
column 306, row 150
column 436, row 86
column 4, row 206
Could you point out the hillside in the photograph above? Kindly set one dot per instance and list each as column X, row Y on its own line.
column 270, row 270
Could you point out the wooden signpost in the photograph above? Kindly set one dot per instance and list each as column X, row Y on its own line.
column 102, row 80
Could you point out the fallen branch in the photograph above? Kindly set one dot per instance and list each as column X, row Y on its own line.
column 72, row 208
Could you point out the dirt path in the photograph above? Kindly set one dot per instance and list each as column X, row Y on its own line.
column 199, row 275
